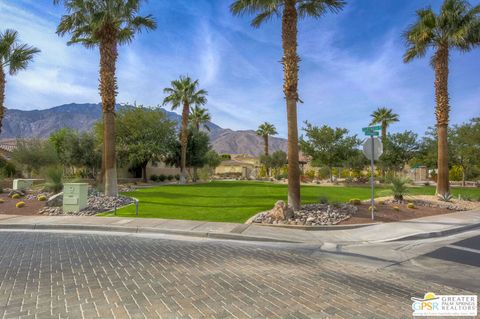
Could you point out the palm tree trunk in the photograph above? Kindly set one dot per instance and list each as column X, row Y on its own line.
column 2, row 96
column 108, row 86
column 144, row 172
column 184, row 143
column 265, row 144
column 384, row 139
column 290, row 63
column 442, row 113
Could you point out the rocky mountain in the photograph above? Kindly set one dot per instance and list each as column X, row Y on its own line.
column 81, row 117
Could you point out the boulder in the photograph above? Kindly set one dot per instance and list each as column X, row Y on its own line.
column 55, row 200
column 19, row 192
column 281, row 211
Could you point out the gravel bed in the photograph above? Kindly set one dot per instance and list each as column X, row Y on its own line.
column 97, row 203
column 433, row 201
column 313, row 215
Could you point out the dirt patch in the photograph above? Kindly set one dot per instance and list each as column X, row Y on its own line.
column 387, row 213
column 32, row 206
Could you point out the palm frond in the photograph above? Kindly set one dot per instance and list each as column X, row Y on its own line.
column 317, row 8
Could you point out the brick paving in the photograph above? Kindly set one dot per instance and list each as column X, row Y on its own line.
column 58, row 275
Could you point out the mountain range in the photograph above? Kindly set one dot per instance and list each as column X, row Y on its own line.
column 81, row 117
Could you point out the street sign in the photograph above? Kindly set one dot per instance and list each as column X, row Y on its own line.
column 377, row 146
column 372, row 128
column 372, row 149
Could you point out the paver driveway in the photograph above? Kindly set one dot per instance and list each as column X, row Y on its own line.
column 58, row 275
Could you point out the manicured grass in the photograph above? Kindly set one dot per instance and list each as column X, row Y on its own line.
column 236, row 201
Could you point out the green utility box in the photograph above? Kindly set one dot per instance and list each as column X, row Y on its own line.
column 24, row 183
column 75, row 197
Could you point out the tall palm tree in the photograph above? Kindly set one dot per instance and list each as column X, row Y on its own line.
column 264, row 130
column 450, row 29
column 199, row 116
column 105, row 24
column 384, row 117
column 290, row 11
column 14, row 57
column 185, row 93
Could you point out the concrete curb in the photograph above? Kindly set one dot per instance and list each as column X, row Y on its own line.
column 143, row 230
column 316, row 228
column 441, row 233
column 337, row 247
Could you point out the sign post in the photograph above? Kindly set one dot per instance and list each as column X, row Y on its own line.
column 372, row 149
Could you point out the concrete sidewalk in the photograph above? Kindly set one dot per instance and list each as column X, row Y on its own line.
column 426, row 227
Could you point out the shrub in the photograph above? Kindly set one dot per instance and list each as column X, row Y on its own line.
column 54, row 177
column 349, row 180
column 323, row 172
column 323, row 200
column 153, row 178
column 396, row 208
column 16, row 196
column 455, row 173
column 310, row 173
column 177, row 177
column 470, row 198
column 398, row 185
column 381, row 202
column 20, row 204
column 355, row 201
column 162, row 177
column 411, row 205
column 370, row 208
column 2, row 201
column 7, row 168
column 170, row 177
column 362, row 179
column 42, row 198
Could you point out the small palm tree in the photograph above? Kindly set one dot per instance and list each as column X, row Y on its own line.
column 199, row 116
column 384, row 117
column 184, row 93
column 289, row 11
column 105, row 24
column 455, row 27
column 264, row 130
column 14, row 57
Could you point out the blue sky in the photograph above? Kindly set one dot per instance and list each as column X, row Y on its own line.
column 351, row 64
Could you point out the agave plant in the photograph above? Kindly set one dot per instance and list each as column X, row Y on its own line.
column 399, row 188
column 447, row 197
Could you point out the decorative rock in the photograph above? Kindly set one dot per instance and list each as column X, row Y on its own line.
column 55, row 200
column 312, row 214
column 280, row 211
column 18, row 192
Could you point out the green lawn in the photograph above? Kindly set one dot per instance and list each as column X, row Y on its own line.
column 236, row 201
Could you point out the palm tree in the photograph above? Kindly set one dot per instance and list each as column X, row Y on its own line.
column 199, row 116
column 384, row 117
column 185, row 93
column 289, row 10
column 105, row 24
column 264, row 130
column 14, row 57
column 450, row 29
